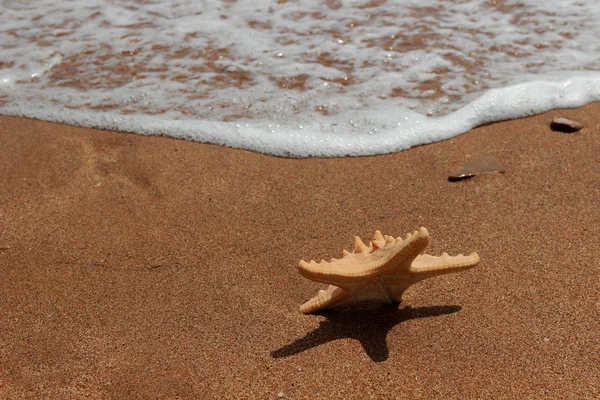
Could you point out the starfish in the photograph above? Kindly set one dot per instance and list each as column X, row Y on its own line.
column 380, row 272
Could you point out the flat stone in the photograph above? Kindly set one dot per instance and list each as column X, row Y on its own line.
column 565, row 125
column 477, row 166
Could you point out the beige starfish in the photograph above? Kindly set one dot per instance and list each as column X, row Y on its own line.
column 381, row 271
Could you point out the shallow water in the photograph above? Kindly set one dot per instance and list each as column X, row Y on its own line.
column 297, row 78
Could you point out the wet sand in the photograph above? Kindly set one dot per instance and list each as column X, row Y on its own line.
column 149, row 267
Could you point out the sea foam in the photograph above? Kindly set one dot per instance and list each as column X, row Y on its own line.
column 297, row 78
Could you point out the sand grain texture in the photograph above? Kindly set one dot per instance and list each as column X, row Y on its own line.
column 148, row 267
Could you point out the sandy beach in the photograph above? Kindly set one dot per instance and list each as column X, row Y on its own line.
column 155, row 268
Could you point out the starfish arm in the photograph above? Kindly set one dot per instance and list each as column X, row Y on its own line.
column 413, row 244
column 381, row 256
column 333, row 272
column 324, row 299
column 425, row 265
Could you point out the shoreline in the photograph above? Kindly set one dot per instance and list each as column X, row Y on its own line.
column 299, row 140
column 145, row 266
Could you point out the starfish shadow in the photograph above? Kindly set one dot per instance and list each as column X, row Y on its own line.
column 369, row 326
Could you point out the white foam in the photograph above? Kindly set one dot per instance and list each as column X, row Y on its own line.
column 371, row 80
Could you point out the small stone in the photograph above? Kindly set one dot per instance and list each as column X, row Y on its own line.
column 280, row 395
column 477, row 166
column 565, row 125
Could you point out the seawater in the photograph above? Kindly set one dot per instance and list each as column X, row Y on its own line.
column 297, row 78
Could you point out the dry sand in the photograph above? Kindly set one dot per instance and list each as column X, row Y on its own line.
column 147, row 267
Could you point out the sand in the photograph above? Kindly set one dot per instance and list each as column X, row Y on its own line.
column 155, row 268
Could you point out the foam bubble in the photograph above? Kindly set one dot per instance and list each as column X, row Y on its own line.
column 297, row 78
